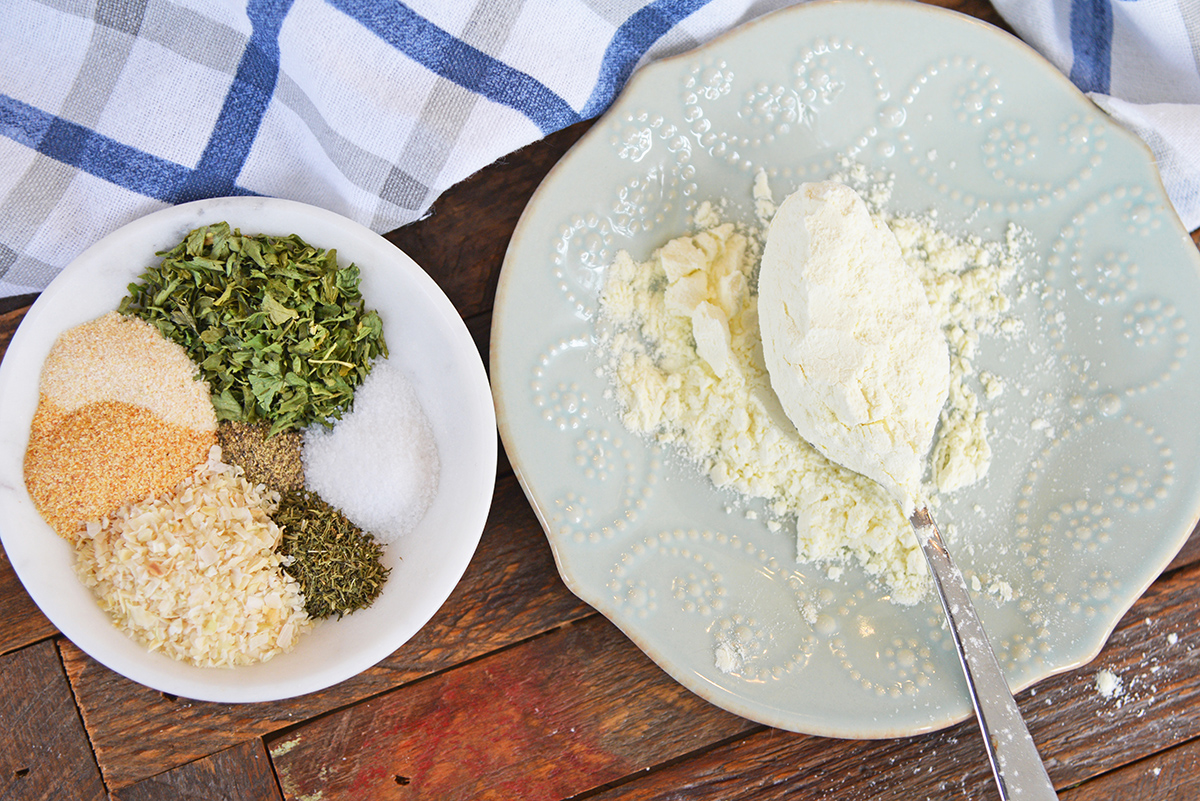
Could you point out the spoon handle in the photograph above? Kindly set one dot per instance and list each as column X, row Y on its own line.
column 1016, row 765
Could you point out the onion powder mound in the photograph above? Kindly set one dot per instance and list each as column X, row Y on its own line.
column 379, row 464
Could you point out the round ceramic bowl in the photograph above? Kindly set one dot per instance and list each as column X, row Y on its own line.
column 426, row 339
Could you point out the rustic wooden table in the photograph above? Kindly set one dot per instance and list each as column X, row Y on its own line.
column 518, row 690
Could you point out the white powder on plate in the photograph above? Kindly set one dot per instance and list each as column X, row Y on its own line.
column 680, row 337
column 380, row 463
column 854, row 351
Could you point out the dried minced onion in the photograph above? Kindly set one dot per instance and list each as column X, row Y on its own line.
column 192, row 573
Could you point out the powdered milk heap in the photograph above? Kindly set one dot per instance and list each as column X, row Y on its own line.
column 680, row 339
column 853, row 349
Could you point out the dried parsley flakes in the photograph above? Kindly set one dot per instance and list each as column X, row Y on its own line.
column 279, row 330
column 335, row 562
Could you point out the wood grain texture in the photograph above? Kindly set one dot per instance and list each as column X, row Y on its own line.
column 509, row 593
column 44, row 752
column 1080, row 732
column 1189, row 553
column 560, row 715
column 516, row 689
column 240, row 773
column 461, row 243
column 24, row 623
column 1171, row 775
column 432, row 734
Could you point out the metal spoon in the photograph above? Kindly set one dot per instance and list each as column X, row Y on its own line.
column 805, row 302
column 1016, row 765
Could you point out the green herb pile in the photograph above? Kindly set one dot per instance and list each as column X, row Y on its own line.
column 336, row 564
column 278, row 329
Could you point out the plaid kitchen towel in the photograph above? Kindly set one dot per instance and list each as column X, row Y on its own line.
column 1139, row 60
column 111, row 109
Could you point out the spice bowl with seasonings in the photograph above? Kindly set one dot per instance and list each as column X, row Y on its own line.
column 225, row 428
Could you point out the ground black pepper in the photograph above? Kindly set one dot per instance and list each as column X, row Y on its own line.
column 275, row 461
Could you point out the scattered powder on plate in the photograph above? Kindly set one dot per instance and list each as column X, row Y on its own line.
column 193, row 573
column 120, row 417
column 680, row 338
column 379, row 465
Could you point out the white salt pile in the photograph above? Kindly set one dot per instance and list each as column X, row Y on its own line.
column 379, row 464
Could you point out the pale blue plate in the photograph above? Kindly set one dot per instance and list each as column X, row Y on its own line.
column 1093, row 486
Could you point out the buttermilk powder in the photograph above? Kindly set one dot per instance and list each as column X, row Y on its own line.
column 680, row 338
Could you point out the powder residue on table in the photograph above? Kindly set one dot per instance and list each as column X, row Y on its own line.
column 193, row 574
column 379, row 465
column 120, row 417
column 679, row 334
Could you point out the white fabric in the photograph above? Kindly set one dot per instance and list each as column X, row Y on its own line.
column 1139, row 60
column 111, row 109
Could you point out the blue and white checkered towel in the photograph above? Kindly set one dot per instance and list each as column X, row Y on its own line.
column 1139, row 60
column 111, row 109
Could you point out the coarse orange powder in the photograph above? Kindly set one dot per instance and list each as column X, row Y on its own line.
column 80, row 465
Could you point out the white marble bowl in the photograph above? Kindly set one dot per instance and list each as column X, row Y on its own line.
column 425, row 336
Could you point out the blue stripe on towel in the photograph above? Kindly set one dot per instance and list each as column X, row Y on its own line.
column 93, row 153
column 457, row 61
column 245, row 104
column 630, row 42
column 1091, row 41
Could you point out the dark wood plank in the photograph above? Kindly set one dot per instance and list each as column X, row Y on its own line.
column 480, row 327
column 1172, row 775
column 24, row 623
column 11, row 313
column 44, row 751
column 240, row 773
column 454, row 736
column 510, row 592
column 1080, row 732
column 462, row 242
column 1189, row 553
column 570, row 711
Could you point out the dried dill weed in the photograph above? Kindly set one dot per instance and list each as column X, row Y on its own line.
column 120, row 417
column 271, row 460
column 335, row 561
column 194, row 574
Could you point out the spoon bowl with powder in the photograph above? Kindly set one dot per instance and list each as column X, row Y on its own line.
column 861, row 368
